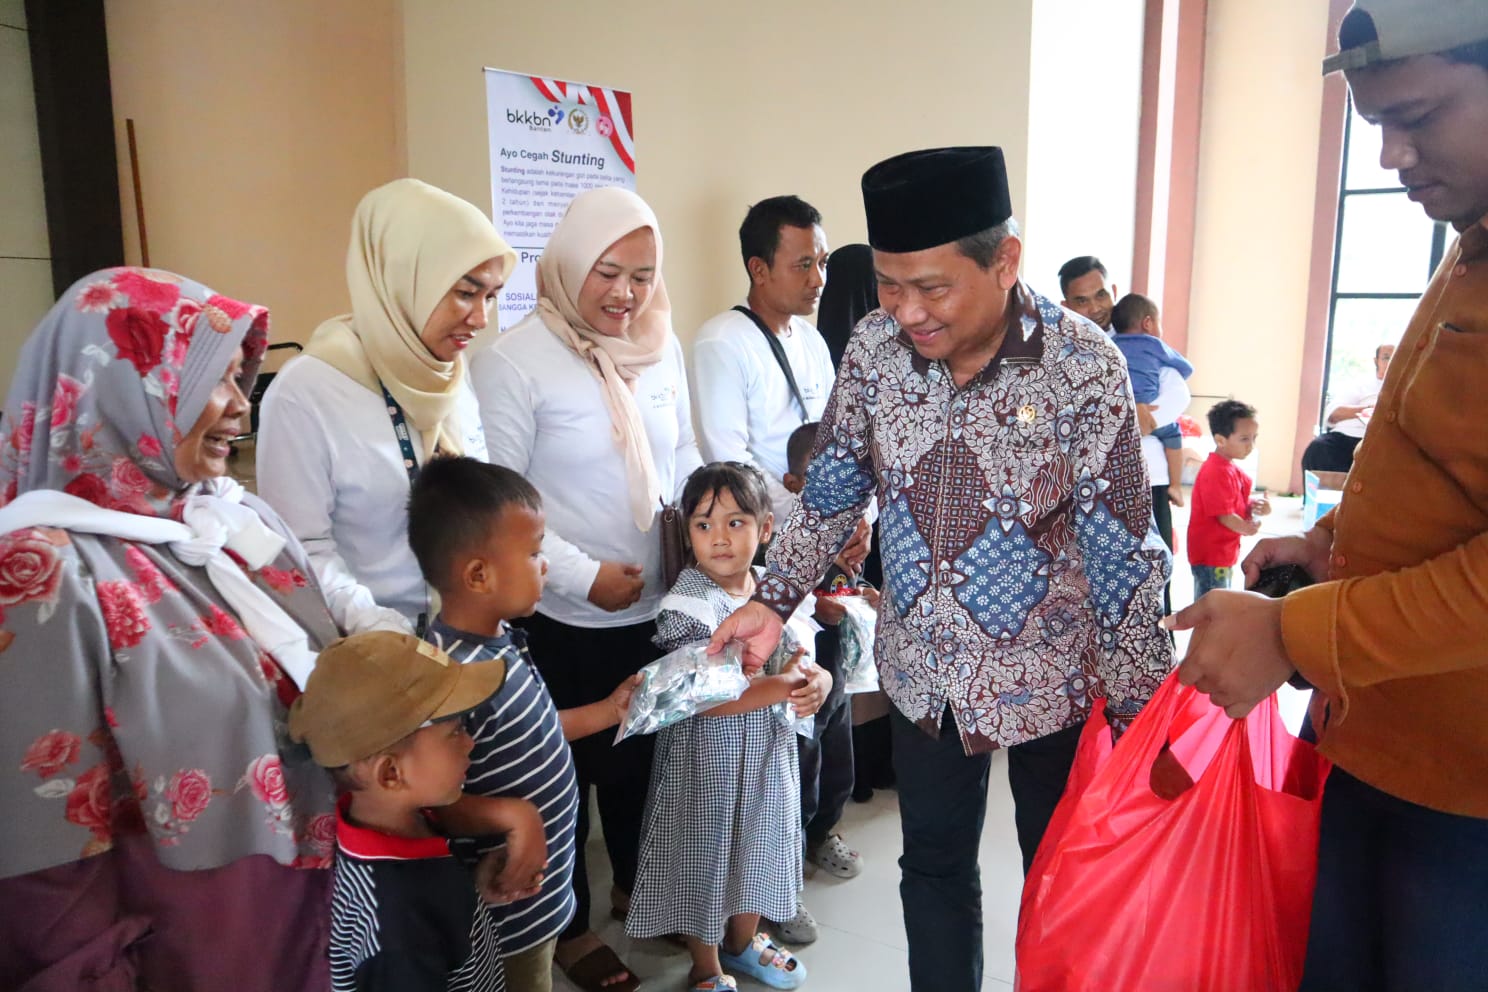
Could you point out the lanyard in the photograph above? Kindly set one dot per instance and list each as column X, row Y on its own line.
column 400, row 430
column 410, row 463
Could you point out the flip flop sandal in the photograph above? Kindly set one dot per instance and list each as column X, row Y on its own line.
column 590, row 971
column 767, row 962
column 718, row 983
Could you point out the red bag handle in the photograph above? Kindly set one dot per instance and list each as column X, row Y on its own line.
column 1122, row 785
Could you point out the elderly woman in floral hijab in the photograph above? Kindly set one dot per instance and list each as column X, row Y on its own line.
column 157, row 825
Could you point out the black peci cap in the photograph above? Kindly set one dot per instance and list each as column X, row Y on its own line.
column 922, row 199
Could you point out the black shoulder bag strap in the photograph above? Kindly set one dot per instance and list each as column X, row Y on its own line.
column 778, row 350
column 410, row 463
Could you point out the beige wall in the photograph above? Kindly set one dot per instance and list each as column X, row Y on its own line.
column 25, row 254
column 260, row 125
column 1257, row 177
column 732, row 103
column 255, row 151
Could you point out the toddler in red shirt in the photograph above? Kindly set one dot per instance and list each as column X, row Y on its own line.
column 1221, row 505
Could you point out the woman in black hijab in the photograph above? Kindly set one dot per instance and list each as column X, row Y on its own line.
column 850, row 294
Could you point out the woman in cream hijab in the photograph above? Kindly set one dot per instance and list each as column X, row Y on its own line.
column 344, row 427
column 587, row 397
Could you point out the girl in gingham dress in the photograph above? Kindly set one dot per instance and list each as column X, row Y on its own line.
column 720, row 844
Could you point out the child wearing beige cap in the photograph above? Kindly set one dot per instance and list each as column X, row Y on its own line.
column 382, row 711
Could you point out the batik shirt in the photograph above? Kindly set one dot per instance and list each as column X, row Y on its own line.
column 1022, row 573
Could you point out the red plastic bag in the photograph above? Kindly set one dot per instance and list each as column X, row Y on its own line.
column 1210, row 891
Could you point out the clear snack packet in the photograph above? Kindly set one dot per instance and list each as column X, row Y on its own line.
column 683, row 684
column 859, row 670
column 805, row 726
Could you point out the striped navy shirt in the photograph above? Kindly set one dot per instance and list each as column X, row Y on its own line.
column 405, row 917
column 520, row 753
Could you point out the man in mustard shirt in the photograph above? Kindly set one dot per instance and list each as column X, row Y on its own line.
column 1395, row 634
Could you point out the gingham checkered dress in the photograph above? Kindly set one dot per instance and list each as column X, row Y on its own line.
column 721, row 835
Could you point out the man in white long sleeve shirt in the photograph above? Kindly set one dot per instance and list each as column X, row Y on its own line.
column 744, row 406
column 1348, row 416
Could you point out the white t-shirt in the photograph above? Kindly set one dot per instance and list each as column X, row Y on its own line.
column 1173, row 398
column 329, row 462
column 545, row 416
column 1363, row 394
column 743, row 405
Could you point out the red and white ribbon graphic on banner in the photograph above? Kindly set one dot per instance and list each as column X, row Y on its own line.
column 615, row 106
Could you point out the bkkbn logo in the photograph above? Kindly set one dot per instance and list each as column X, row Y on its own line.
column 535, row 121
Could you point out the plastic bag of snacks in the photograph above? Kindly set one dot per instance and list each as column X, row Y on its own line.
column 683, row 684
column 805, row 726
column 855, row 640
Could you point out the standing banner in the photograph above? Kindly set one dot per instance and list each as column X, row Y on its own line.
column 550, row 141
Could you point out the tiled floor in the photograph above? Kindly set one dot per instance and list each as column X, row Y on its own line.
column 862, row 945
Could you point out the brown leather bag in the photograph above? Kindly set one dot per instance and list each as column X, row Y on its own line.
column 675, row 552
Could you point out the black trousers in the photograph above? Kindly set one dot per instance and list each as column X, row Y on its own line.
column 827, row 756
column 1162, row 516
column 1400, row 903
column 583, row 665
column 1330, row 451
column 942, row 806
column 873, row 757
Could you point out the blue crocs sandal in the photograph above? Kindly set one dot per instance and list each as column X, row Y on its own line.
column 766, row 961
column 718, row 983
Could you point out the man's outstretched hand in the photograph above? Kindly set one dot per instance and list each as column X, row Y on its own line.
column 757, row 626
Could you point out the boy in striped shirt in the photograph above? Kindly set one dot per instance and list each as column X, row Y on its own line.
column 477, row 531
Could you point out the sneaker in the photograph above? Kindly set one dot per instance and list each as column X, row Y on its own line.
column 834, row 856
column 799, row 929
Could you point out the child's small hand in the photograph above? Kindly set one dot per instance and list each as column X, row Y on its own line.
column 620, row 699
column 811, row 696
column 1260, row 506
column 797, row 663
column 526, row 852
column 487, row 885
column 850, row 558
column 487, row 870
column 829, row 611
column 871, row 596
column 1251, row 527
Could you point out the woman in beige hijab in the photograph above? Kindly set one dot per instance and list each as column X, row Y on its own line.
column 345, row 426
column 587, row 397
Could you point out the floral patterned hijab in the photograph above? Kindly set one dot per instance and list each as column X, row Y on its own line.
column 110, row 381
column 134, row 697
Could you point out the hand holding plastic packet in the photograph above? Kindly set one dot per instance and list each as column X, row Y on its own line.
column 804, row 726
column 859, row 670
column 683, row 684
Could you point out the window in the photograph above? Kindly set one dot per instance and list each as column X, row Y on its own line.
column 1385, row 253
